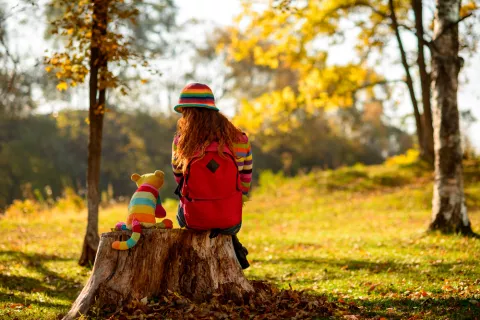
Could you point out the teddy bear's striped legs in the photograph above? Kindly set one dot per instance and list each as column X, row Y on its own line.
column 121, row 226
column 136, row 233
column 165, row 224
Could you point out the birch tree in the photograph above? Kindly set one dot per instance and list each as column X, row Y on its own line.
column 449, row 209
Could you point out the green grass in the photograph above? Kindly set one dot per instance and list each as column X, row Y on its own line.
column 355, row 234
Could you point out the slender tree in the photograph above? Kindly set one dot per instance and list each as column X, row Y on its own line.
column 100, row 36
column 98, row 66
column 449, row 209
column 425, row 83
column 91, row 45
column 409, row 81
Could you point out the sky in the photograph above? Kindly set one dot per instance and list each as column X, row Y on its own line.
column 222, row 12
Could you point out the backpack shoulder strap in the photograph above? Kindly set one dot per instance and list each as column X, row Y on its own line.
column 214, row 147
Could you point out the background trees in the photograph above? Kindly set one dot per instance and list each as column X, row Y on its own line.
column 314, row 27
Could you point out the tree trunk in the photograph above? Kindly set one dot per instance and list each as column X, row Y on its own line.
column 409, row 80
column 428, row 151
column 182, row 261
column 449, row 210
column 95, row 117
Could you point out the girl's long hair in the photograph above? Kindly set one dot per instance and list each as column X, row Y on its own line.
column 197, row 128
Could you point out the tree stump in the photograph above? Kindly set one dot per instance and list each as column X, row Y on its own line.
column 182, row 261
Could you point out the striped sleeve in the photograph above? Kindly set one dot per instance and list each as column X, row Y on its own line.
column 176, row 170
column 243, row 151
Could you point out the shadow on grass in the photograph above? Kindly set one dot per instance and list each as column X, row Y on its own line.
column 11, row 298
column 403, row 308
column 51, row 283
column 312, row 263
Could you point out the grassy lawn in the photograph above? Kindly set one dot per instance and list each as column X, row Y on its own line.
column 354, row 235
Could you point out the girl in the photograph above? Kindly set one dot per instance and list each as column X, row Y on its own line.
column 212, row 164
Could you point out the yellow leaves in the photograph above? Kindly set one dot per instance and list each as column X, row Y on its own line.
column 332, row 87
column 291, row 43
column 271, row 37
column 101, row 109
column 468, row 8
column 219, row 47
column 275, row 107
column 74, row 24
column 267, row 58
column 409, row 158
column 143, row 81
column 62, row 86
column 69, row 69
column 250, row 116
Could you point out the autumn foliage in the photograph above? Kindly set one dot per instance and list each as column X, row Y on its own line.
column 267, row 303
column 74, row 25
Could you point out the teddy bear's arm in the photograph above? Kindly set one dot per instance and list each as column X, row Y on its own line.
column 159, row 210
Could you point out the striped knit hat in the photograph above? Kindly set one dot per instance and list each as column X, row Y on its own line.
column 196, row 95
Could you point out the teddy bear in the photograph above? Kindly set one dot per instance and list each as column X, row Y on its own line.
column 144, row 207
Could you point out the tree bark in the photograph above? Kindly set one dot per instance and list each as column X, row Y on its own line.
column 95, row 117
column 449, row 212
column 182, row 261
column 428, row 151
column 409, row 80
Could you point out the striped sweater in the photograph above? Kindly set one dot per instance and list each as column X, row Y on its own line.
column 244, row 158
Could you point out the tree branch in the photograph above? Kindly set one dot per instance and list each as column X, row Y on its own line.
column 408, row 28
column 453, row 24
column 431, row 44
column 18, row 10
column 355, row 5
column 7, row 52
column 377, row 83
column 409, row 79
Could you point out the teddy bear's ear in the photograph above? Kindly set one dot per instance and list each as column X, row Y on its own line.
column 135, row 177
column 159, row 173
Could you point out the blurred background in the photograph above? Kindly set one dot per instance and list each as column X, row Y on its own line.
column 312, row 93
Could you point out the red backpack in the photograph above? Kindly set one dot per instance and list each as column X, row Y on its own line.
column 210, row 195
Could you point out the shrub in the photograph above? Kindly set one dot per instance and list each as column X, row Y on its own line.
column 70, row 201
column 23, row 207
column 269, row 181
column 409, row 158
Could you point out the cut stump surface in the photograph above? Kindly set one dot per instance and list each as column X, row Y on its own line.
column 182, row 261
